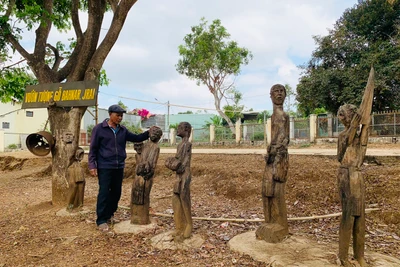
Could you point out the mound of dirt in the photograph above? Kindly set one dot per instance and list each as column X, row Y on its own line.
column 227, row 186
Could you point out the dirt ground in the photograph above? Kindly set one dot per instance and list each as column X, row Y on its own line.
column 222, row 186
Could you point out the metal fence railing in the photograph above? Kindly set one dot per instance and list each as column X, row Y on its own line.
column 301, row 128
column 252, row 132
column 201, row 135
column 224, row 134
column 382, row 124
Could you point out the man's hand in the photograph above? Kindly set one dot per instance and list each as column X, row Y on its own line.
column 93, row 172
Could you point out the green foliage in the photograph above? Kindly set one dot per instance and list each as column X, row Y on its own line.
column 174, row 126
column 186, row 112
column 365, row 35
column 90, row 129
column 215, row 120
column 132, row 127
column 13, row 82
column 234, row 111
column 208, row 48
column 12, row 146
column 209, row 57
column 319, row 111
column 122, row 105
column 290, row 103
column 264, row 115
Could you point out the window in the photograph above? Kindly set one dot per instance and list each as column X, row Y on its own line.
column 29, row 113
column 6, row 125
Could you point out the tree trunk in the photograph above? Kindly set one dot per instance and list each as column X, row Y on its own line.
column 217, row 103
column 65, row 126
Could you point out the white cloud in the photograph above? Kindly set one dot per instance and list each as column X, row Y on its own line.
column 141, row 64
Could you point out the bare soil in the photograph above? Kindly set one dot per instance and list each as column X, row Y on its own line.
column 222, row 186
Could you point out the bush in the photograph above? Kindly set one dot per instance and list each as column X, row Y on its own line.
column 12, row 146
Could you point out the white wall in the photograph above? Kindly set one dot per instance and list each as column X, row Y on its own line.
column 20, row 125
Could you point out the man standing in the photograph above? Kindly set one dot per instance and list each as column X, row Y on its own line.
column 107, row 161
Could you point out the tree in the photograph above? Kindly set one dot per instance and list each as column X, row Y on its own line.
column 234, row 111
column 289, row 105
column 122, row 105
column 210, row 58
column 84, row 62
column 365, row 35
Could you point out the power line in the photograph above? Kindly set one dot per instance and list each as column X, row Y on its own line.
column 165, row 104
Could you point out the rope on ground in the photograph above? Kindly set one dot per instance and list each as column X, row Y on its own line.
column 253, row 220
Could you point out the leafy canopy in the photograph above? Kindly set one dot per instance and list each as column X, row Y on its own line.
column 365, row 35
column 209, row 57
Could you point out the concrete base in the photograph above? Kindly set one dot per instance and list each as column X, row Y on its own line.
column 125, row 227
column 64, row 212
column 300, row 252
column 166, row 241
column 271, row 232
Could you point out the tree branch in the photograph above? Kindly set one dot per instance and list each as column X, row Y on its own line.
column 42, row 32
column 57, row 57
column 113, row 4
column 110, row 38
column 9, row 8
column 73, row 59
column 91, row 37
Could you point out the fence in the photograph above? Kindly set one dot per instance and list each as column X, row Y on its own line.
column 385, row 124
column 301, row 128
column 253, row 132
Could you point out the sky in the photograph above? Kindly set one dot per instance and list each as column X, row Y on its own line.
column 141, row 65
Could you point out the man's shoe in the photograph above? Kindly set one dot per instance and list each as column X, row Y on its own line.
column 103, row 227
column 113, row 221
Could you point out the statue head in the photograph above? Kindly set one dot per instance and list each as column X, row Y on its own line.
column 138, row 147
column 155, row 134
column 346, row 113
column 278, row 94
column 68, row 137
column 184, row 129
column 79, row 154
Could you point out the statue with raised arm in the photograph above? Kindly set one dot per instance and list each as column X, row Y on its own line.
column 181, row 202
column 146, row 161
column 352, row 146
column 275, row 228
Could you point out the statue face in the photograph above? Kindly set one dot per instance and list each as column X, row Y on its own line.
column 345, row 115
column 138, row 147
column 155, row 134
column 278, row 94
column 68, row 137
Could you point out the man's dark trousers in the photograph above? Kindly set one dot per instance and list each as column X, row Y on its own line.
column 110, row 186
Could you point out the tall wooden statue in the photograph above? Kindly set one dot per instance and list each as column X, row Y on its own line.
column 76, row 181
column 181, row 202
column 275, row 227
column 352, row 146
column 146, row 161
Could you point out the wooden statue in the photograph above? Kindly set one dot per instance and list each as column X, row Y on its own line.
column 275, row 227
column 146, row 162
column 76, row 181
column 181, row 203
column 352, row 146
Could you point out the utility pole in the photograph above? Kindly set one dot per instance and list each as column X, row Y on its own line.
column 168, row 114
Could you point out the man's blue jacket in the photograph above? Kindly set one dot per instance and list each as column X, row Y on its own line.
column 108, row 149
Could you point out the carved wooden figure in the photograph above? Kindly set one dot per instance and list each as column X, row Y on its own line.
column 76, row 181
column 146, row 162
column 181, row 202
column 352, row 146
column 275, row 227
